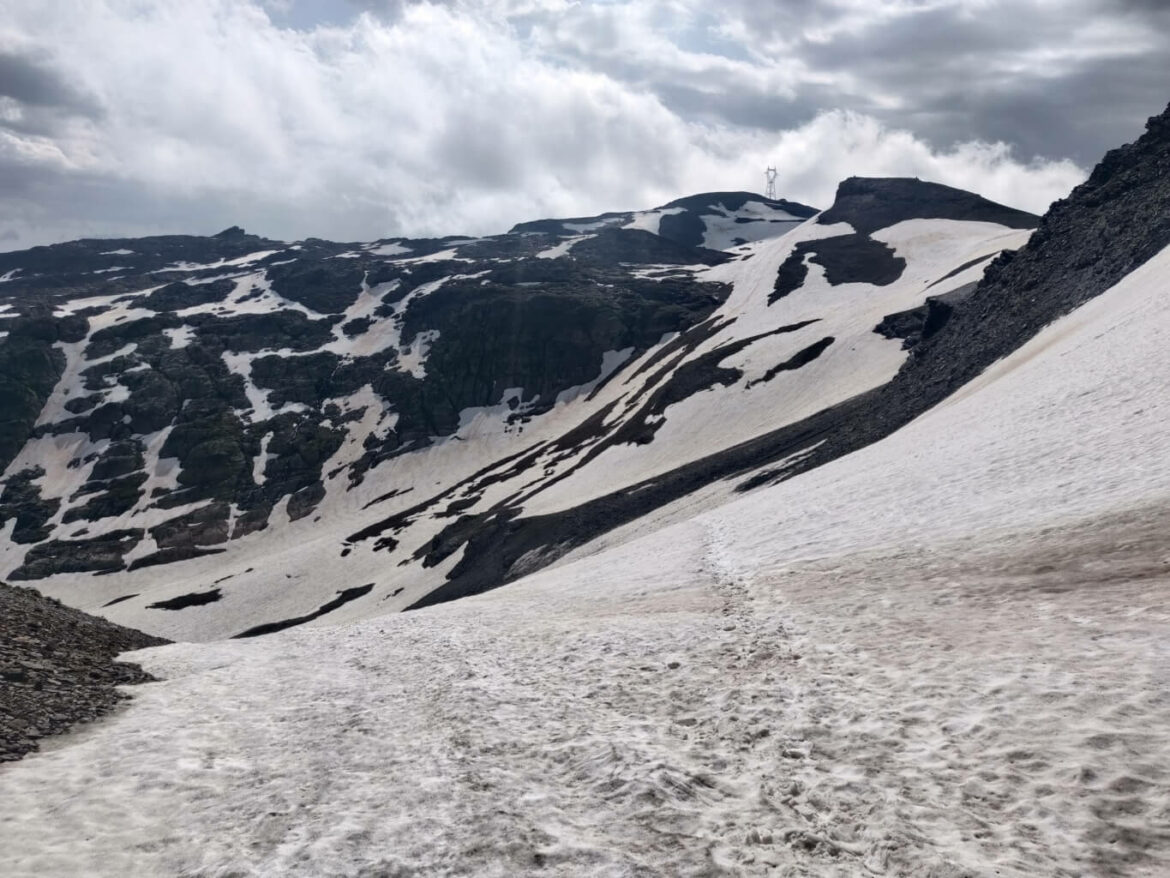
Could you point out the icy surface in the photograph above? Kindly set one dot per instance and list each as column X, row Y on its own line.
column 943, row 655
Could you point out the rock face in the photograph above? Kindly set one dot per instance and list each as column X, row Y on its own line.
column 869, row 204
column 238, row 358
column 57, row 668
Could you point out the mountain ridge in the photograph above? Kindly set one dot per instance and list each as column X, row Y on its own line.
column 218, row 404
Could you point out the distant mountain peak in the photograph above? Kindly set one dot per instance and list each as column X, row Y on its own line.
column 711, row 220
column 734, row 201
column 872, row 203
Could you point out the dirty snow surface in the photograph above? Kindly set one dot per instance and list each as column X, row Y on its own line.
column 944, row 655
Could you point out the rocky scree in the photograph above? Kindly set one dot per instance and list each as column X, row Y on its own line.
column 57, row 668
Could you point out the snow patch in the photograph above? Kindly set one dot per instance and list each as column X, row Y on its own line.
column 393, row 249
column 180, row 336
column 561, row 249
column 650, row 220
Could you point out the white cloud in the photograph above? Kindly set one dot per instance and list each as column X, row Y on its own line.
column 813, row 158
column 445, row 118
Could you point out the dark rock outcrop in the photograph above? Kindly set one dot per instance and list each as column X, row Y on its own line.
column 327, row 286
column 918, row 324
column 642, row 248
column 100, row 554
column 872, row 203
column 846, row 259
column 21, row 499
column 179, row 295
column 343, row 597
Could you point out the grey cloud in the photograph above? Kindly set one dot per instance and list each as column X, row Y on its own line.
column 391, row 9
column 404, row 126
column 1145, row 7
column 1085, row 114
column 956, row 74
column 961, row 79
column 51, row 206
column 749, row 108
column 34, row 82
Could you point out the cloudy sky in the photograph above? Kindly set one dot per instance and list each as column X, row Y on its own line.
column 359, row 119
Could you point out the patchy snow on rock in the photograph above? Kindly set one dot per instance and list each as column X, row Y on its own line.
column 260, row 463
column 413, row 358
column 857, row 360
column 241, row 364
column 593, row 226
column 490, row 418
column 75, row 362
column 246, row 259
column 162, row 472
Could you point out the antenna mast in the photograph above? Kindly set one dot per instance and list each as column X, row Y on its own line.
column 770, row 190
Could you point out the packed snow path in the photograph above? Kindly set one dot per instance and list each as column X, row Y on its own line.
column 944, row 655
column 924, row 713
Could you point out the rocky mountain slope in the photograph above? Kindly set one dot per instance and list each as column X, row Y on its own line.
column 321, row 431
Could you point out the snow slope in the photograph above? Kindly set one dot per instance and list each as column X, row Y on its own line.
column 945, row 654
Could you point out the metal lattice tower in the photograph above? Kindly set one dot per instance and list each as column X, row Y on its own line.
column 770, row 190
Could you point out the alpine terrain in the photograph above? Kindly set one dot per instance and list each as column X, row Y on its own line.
column 737, row 537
